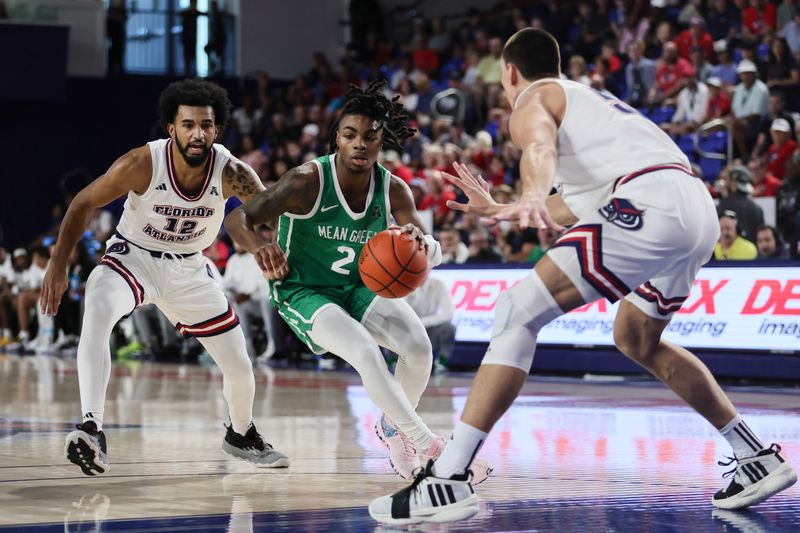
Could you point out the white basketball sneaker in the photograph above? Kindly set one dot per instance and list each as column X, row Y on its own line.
column 755, row 479
column 427, row 499
column 402, row 454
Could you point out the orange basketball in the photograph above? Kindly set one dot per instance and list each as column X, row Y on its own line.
column 392, row 265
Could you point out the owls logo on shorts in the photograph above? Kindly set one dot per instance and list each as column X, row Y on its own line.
column 622, row 213
column 118, row 248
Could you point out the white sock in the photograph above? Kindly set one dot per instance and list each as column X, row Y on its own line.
column 24, row 335
column 741, row 438
column 96, row 417
column 6, row 333
column 459, row 452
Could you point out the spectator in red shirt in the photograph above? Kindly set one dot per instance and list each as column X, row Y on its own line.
column 696, row 35
column 437, row 198
column 392, row 162
column 425, row 59
column 719, row 103
column 671, row 75
column 764, row 183
column 759, row 17
column 782, row 146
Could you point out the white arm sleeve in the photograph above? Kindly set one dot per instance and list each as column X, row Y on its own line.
column 434, row 251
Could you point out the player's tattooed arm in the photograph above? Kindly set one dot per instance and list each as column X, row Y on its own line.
column 295, row 192
column 240, row 180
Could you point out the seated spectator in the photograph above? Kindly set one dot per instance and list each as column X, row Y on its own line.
column 438, row 196
column 425, row 59
column 408, row 95
column 731, row 245
column 701, row 67
column 393, row 163
column 776, row 108
column 787, row 203
column 784, row 14
column 719, row 103
column 782, row 70
column 432, row 304
column 578, row 72
column 255, row 157
column 517, row 243
column 759, row 18
column 480, row 247
column 635, row 26
column 791, row 32
column 489, row 72
column 453, row 250
column 739, row 202
column 695, row 36
column 749, row 105
column 671, row 76
column 691, row 110
column 769, row 244
column 724, row 20
column 640, row 74
column 218, row 252
column 6, row 296
column 28, row 299
column 547, row 237
column 764, row 183
column 662, row 36
column 419, row 190
column 249, row 293
column 247, row 117
column 782, row 147
column 725, row 69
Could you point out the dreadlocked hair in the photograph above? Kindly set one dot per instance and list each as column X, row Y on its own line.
column 372, row 103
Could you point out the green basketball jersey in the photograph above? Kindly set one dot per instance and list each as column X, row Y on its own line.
column 323, row 246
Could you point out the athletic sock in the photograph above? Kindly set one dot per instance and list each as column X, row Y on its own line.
column 459, row 452
column 96, row 417
column 741, row 438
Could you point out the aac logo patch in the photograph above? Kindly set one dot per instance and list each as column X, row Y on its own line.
column 118, row 248
column 622, row 213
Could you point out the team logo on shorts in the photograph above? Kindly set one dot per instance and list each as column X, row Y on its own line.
column 622, row 213
column 118, row 248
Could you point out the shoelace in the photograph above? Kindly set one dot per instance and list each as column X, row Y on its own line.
column 408, row 446
column 730, row 461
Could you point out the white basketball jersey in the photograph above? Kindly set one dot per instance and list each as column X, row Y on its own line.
column 601, row 139
column 167, row 219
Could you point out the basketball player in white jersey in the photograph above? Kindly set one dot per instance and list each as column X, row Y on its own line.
column 642, row 226
column 176, row 192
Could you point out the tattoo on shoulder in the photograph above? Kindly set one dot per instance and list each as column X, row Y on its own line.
column 240, row 180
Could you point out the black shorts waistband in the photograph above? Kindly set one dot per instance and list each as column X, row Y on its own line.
column 154, row 253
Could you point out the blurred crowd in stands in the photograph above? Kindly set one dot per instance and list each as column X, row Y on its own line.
column 711, row 73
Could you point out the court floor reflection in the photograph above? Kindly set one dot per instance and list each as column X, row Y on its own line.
column 568, row 456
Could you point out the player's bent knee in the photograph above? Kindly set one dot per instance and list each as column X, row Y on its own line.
column 520, row 313
column 635, row 345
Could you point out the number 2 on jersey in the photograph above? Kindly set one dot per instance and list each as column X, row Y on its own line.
column 349, row 256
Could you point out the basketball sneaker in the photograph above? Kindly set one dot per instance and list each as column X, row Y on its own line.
column 252, row 448
column 427, row 499
column 755, row 479
column 402, row 454
column 479, row 469
column 86, row 447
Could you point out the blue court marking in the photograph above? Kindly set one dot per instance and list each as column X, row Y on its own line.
column 663, row 513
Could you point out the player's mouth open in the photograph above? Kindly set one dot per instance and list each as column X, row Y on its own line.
column 360, row 160
column 196, row 148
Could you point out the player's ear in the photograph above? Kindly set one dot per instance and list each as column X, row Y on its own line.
column 171, row 129
column 512, row 73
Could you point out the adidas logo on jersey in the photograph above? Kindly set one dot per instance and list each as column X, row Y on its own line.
column 162, row 187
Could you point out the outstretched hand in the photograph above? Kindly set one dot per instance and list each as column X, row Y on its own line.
column 479, row 201
column 272, row 261
column 528, row 211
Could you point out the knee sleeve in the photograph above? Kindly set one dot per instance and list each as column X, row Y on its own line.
column 520, row 313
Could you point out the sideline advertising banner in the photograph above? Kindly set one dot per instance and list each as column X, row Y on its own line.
column 755, row 308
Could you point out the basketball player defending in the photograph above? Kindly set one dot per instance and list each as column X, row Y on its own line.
column 177, row 189
column 642, row 226
column 326, row 210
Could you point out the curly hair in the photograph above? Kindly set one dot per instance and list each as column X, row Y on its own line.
column 195, row 92
column 372, row 103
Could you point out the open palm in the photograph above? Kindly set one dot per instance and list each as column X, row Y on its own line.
column 479, row 201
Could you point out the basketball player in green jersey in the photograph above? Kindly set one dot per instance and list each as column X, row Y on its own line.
column 326, row 210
